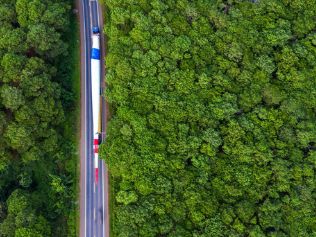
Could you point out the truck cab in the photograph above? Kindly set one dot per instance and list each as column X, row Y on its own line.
column 95, row 30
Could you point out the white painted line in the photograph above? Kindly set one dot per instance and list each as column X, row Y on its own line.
column 98, row 16
column 93, row 213
column 85, row 124
column 90, row 26
column 103, row 170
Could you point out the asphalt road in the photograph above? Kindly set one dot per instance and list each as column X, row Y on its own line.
column 94, row 219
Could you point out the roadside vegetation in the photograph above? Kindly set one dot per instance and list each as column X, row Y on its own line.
column 213, row 129
column 38, row 109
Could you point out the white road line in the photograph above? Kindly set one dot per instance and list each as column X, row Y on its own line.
column 94, row 211
column 102, row 162
column 98, row 16
column 85, row 124
column 103, row 170
column 91, row 24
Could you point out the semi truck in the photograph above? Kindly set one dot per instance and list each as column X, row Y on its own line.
column 96, row 95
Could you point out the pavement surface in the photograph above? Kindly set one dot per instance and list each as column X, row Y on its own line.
column 94, row 217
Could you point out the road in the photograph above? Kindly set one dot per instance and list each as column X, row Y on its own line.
column 94, row 218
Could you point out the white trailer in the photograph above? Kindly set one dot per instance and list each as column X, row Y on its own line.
column 96, row 95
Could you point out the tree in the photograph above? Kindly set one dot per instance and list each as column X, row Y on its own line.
column 13, row 40
column 213, row 108
column 12, row 65
column 33, row 82
column 45, row 40
column 12, row 97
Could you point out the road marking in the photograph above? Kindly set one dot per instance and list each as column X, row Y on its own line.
column 103, row 170
column 98, row 16
column 93, row 213
column 90, row 29
column 85, row 124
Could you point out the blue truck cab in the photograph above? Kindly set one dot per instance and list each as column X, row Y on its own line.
column 95, row 30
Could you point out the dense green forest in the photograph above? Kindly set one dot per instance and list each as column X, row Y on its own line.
column 37, row 161
column 213, row 129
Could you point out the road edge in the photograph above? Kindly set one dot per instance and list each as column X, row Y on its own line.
column 105, row 113
column 82, row 188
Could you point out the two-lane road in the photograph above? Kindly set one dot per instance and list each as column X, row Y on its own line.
column 94, row 221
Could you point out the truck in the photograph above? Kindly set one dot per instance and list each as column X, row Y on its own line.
column 96, row 94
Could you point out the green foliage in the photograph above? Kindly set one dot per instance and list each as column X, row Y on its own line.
column 45, row 40
column 213, row 126
column 36, row 186
column 126, row 197
column 12, row 97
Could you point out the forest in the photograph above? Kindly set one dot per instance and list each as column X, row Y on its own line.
column 213, row 128
column 37, row 152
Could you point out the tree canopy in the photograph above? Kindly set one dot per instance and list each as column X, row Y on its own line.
column 36, row 190
column 213, row 127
